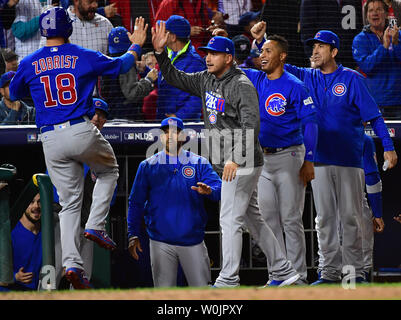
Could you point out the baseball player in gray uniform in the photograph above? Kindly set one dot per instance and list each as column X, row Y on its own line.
column 231, row 113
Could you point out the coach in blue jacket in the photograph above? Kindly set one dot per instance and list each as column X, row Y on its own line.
column 173, row 101
column 169, row 191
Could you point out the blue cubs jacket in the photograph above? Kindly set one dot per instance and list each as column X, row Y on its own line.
column 162, row 194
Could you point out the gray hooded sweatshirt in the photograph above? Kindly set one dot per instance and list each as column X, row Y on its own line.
column 230, row 111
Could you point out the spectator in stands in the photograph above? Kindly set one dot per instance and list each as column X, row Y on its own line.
column 254, row 57
column 283, row 18
column 235, row 9
column 7, row 17
column 247, row 21
column 26, row 26
column 242, row 49
column 172, row 101
column 13, row 112
column 194, row 11
column 149, row 107
column 344, row 18
column 10, row 59
column 378, row 54
column 90, row 29
column 26, row 240
column 125, row 93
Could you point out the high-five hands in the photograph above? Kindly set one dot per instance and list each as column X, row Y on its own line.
column 159, row 36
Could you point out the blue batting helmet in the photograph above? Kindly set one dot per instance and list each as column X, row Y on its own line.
column 118, row 40
column 55, row 22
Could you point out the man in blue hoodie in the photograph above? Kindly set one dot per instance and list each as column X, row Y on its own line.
column 169, row 191
column 172, row 101
column 378, row 54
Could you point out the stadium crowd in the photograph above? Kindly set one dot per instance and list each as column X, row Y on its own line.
column 142, row 95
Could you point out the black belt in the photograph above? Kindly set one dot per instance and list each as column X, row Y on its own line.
column 268, row 150
column 71, row 122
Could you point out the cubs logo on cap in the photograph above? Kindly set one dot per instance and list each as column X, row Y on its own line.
column 325, row 36
column 339, row 89
column 172, row 121
column 101, row 105
column 275, row 104
column 220, row 44
column 188, row 172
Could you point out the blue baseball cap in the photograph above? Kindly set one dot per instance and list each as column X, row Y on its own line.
column 6, row 78
column 118, row 40
column 179, row 26
column 101, row 105
column 220, row 44
column 172, row 121
column 247, row 17
column 325, row 36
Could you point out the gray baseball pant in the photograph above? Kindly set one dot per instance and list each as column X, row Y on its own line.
column 281, row 197
column 338, row 193
column 66, row 149
column 367, row 236
column 164, row 260
column 239, row 208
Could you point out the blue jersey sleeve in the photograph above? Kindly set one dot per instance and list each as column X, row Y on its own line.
column 104, row 65
column 304, row 105
column 211, row 178
column 369, row 156
column 18, row 88
column 253, row 75
column 380, row 129
column 372, row 177
column 300, row 73
column 306, row 112
column 362, row 98
column 137, row 201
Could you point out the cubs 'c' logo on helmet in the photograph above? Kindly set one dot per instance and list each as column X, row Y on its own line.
column 275, row 104
column 339, row 89
column 188, row 172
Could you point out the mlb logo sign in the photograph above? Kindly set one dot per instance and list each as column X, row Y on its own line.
column 188, row 172
column 32, row 137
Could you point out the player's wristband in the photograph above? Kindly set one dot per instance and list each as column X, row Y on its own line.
column 136, row 48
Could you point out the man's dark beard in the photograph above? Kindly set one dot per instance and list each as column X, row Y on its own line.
column 85, row 14
column 30, row 219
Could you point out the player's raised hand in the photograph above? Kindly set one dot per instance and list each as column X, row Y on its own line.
column 307, row 172
column 133, row 245
column 110, row 10
column 391, row 157
column 258, row 31
column 159, row 36
column 139, row 35
column 202, row 188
